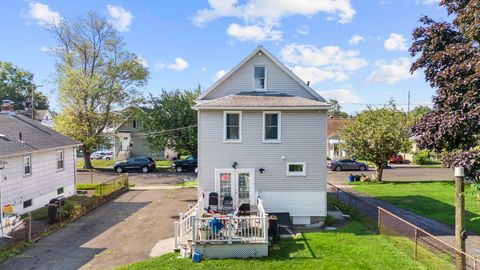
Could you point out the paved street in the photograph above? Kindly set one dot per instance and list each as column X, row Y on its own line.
column 139, row 179
column 397, row 174
column 122, row 231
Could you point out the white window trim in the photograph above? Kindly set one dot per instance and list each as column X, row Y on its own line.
column 279, row 140
column 63, row 160
column 30, row 164
column 265, row 86
column 302, row 173
column 225, row 140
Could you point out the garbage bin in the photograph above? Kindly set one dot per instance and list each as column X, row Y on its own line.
column 52, row 213
column 273, row 230
column 351, row 178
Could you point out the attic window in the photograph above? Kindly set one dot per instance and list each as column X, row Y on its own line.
column 259, row 77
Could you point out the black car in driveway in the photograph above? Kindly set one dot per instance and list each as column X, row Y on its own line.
column 346, row 165
column 188, row 164
column 143, row 164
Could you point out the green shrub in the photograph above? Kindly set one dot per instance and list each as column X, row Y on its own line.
column 422, row 157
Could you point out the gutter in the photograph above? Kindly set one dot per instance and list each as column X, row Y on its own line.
column 42, row 150
column 264, row 108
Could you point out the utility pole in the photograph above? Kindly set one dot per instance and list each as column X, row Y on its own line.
column 408, row 102
column 32, row 103
column 460, row 233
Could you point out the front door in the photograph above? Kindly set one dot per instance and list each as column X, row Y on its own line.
column 239, row 184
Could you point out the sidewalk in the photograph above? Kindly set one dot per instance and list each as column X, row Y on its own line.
column 442, row 231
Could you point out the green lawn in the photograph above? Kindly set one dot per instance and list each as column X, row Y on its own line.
column 435, row 200
column 188, row 184
column 351, row 247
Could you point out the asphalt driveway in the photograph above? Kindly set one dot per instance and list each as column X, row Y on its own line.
column 121, row 231
column 397, row 174
column 138, row 178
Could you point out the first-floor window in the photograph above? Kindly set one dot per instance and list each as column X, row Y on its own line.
column 27, row 203
column 60, row 191
column 60, row 160
column 296, row 169
column 27, row 165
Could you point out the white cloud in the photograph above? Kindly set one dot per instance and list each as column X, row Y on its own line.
column 355, row 39
column 44, row 49
column 395, row 42
column 303, row 30
column 43, row 14
column 315, row 75
column 178, row 65
column 219, row 74
column 267, row 14
column 343, row 95
column 120, row 18
column 253, row 32
column 332, row 57
column 391, row 71
column 142, row 61
column 428, row 2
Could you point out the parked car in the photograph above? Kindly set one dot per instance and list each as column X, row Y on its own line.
column 396, row 159
column 100, row 154
column 108, row 156
column 188, row 164
column 346, row 164
column 143, row 164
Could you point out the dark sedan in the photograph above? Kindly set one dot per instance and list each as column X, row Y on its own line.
column 188, row 164
column 143, row 164
column 346, row 165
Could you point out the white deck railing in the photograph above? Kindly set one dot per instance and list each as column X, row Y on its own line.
column 230, row 229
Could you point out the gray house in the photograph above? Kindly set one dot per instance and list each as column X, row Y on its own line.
column 262, row 133
column 36, row 164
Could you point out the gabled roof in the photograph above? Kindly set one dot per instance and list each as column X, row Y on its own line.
column 274, row 60
column 335, row 124
column 255, row 100
column 35, row 137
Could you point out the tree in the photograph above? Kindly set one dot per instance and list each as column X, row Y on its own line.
column 172, row 122
column 449, row 54
column 336, row 112
column 417, row 113
column 375, row 135
column 16, row 85
column 95, row 75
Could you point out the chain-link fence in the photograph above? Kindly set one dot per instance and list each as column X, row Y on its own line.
column 423, row 246
column 39, row 223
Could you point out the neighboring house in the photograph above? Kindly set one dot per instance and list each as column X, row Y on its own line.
column 262, row 132
column 333, row 143
column 37, row 164
column 45, row 118
column 128, row 139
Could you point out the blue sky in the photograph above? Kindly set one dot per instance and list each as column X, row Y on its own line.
column 355, row 51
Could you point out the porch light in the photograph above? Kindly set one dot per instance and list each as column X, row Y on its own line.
column 234, row 165
column 261, row 170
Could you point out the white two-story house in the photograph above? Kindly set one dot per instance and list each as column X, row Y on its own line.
column 262, row 133
column 37, row 164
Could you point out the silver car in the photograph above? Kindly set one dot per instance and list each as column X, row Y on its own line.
column 346, row 165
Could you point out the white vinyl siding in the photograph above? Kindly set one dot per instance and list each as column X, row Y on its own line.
column 296, row 169
column 232, row 128
column 297, row 203
column 276, row 80
column 307, row 146
column 272, row 127
column 27, row 165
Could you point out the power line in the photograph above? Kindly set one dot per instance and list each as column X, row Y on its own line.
column 166, row 131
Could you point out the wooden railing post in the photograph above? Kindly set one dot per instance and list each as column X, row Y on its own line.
column 230, row 228
column 194, row 231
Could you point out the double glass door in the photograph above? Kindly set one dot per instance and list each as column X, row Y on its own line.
column 238, row 184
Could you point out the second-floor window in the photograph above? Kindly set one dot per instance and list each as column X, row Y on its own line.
column 27, row 165
column 271, row 126
column 233, row 126
column 60, row 160
column 259, row 77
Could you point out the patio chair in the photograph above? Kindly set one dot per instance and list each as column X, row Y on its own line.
column 213, row 200
column 227, row 203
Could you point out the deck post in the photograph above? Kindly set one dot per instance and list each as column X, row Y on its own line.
column 230, row 228
column 194, row 231
column 265, row 229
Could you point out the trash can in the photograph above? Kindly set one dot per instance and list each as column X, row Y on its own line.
column 52, row 213
column 273, row 230
column 351, row 178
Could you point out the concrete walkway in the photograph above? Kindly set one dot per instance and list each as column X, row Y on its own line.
column 444, row 232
